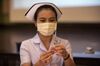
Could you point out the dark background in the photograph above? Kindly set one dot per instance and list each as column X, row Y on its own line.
column 79, row 35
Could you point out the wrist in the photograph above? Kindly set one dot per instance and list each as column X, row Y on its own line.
column 38, row 63
column 66, row 57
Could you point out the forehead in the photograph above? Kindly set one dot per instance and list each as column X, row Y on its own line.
column 46, row 13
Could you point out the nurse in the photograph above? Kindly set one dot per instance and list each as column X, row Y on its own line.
column 45, row 48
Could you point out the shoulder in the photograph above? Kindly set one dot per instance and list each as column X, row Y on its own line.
column 26, row 43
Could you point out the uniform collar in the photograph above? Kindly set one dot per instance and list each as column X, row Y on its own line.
column 37, row 40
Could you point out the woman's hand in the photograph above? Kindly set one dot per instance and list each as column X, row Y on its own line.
column 45, row 59
column 60, row 50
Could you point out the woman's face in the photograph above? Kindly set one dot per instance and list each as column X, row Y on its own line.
column 46, row 22
column 46, row 15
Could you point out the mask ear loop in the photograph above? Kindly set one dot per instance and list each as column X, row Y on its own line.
column 55, row 34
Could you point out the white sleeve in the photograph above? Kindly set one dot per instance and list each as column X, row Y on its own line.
column 68, row 48
column 24, row 54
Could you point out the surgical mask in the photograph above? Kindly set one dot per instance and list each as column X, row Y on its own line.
column 47, row 28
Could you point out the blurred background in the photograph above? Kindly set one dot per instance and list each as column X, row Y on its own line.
column 80, row 24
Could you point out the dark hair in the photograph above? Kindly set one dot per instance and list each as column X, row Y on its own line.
column 44, row 7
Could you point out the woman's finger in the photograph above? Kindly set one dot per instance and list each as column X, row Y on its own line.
column 48, row 59
column 58, row 47
column 47, row 54
column 60, row 51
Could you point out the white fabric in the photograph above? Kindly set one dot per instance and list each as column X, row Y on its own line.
column 31, row 50
column 47, row 28
column 33, row 9
column 57, row 60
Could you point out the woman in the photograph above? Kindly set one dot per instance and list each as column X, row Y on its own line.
column 45, row 48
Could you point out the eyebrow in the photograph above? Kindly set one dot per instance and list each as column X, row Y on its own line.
column 41, row 18
column 52, row 17
column 44, row 17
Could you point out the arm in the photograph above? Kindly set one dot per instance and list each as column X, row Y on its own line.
column 45, row 59
column 26, row 64
column 24, row 55
column 65, row 52
column 69, row 61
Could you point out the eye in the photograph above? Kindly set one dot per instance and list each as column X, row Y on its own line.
column 52, row 20
column 42, row 20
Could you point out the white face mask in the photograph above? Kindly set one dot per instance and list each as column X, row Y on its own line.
column 47, row 28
